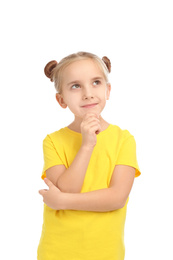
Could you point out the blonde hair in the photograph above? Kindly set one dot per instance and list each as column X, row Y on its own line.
column 53, row 69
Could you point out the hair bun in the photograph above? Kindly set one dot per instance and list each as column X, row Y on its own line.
column 49, row 68
column 107, row 62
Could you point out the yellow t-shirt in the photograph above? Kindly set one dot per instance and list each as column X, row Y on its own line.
column 85, row 235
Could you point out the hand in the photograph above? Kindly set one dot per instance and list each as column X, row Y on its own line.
column 52, row 197
column 90, row 127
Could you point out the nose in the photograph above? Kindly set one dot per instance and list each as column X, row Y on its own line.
column 88, row 93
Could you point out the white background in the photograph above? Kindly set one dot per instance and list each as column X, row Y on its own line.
column 137, row 36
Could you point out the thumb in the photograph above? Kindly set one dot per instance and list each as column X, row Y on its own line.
column 48, row 182
column 42, row 192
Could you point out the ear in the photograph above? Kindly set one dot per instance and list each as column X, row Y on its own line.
column 108, row 90
column 60, row 100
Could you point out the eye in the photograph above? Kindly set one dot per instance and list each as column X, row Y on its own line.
column 96, row 82
column 75, row 86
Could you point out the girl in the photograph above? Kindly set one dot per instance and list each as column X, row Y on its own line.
column 89, row 168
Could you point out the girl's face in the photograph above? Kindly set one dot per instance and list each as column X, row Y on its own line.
column 84, row 88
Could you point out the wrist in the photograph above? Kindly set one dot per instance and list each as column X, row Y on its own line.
column 65, row 201
column 87, row 148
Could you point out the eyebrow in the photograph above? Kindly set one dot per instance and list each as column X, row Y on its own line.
column 78, row 81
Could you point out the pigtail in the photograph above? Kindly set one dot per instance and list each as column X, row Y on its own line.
column 49, row 69
column 107, row 63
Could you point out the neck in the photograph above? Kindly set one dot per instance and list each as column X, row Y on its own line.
column 75, row 125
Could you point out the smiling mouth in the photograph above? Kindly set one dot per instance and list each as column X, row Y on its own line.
column 89, row 105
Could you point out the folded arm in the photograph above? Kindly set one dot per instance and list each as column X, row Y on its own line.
column 102, row 200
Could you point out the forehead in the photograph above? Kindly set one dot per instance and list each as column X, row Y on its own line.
column 81, row 70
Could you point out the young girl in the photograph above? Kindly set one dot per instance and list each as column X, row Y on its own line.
column 89, row 168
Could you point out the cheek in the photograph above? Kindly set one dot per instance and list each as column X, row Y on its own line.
column 67, row 98
column 71, row 102
column 104, row 93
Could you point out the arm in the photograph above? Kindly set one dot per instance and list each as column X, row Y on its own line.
column 103, row 200
column 71, row 180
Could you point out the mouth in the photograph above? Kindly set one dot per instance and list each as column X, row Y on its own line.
column 90, row 105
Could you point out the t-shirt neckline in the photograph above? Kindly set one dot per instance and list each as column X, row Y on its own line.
column 79, row 134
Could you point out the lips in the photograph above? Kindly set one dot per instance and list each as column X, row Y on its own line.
column 90, row 105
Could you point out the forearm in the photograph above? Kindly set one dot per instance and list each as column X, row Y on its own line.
column 72, row 179
column 100, row 201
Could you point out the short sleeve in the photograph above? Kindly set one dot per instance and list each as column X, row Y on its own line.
column 50, row 155
column 127, row 154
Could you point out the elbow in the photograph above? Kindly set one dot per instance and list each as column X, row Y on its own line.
column 122, row 204
column 119, row 202
column 123, row 201
column 66, row 189
column 119, row 205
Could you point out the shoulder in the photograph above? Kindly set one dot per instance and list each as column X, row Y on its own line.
column 54, row 142
column 54, row 135
column 121, row 133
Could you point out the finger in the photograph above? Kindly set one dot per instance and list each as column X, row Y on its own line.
column 48, row 182
column 90, row 120
column 96, row 129
column 88, row 115
column 93, row 123
column 93, row 128
column 42, row 192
